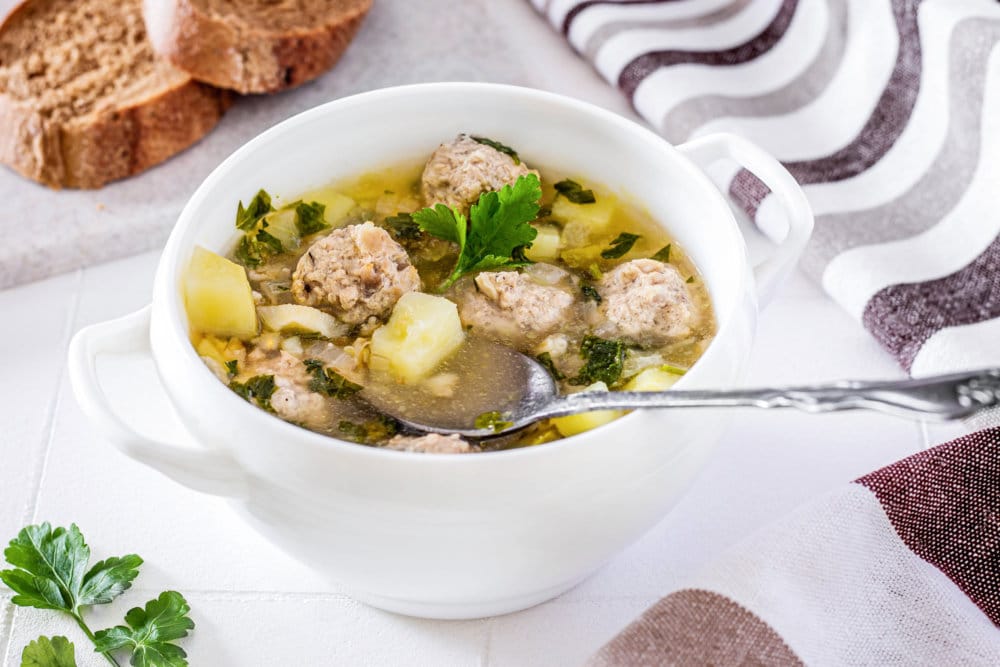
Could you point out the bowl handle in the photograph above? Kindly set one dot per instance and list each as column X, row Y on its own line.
column 769, row 273
column 207, row 470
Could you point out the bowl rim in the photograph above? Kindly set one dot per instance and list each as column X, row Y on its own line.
column 167, row 295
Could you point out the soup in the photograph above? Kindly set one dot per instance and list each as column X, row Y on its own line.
column 399, row 285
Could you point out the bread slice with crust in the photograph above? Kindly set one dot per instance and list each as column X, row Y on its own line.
column 85, row 100
column 253, row 46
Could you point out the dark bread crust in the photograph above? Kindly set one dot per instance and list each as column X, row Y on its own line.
column 247, row 56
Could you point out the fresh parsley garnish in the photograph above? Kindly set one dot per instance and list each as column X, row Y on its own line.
column 621, row 245
column 590, row 293
column 256, row 247
column 247, row 218
column 257, row 389
column 495, row 231
column 372, row 431
column 328, row 382
column 51, row 570
column 493, row 421
column 690, row 279
column 232, row 368
column 403, row 226
column 575, row 192
column 310, row 218
column 605, row 361
column 545, row 359
column 663, row 254
column 497, row 146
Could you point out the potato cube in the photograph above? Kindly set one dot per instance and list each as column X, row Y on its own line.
column 575, row 424
column 545, row 247
column 281, row 225
column 652, row 379
column 337, row 205
column 217, row 296
column 422, row 332
column 595, row 217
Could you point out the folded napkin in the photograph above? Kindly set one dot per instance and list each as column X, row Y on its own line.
column 888, row 113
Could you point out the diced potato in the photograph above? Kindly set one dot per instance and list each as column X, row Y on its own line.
column 545, row 247
column 652, row 379
column 290, row 318
column 596, row 217
column 337, row 204
column 421, row 333
column 281, row 225
column 218, row 297
column 574, row 424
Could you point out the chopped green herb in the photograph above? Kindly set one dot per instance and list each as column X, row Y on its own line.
column 232, row 368
column 545, row 359
column 328, row 382
column 403, row 226
column 621, row 245
column 690, row 279
column 494, row 421
column 257, row 389
column 247, row 218
column 497, row 228
column 663, row 254
column 605, row 361
column 544, row 212
column 575, row 192
column 595, row 272
column 310, row 218
column 590, row 293
column 255, row 248
column 372, row 431
column 497, row 146
column 675, row 370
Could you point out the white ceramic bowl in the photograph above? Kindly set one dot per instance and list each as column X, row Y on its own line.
column 448, row 536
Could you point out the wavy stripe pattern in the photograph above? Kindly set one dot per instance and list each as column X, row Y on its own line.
column 927, row 117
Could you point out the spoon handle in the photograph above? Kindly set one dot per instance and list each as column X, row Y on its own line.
column 938, row 398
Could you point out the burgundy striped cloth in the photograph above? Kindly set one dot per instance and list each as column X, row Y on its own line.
column 888, row 113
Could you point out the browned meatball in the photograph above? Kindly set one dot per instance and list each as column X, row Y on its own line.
column 460, row 171
column 292, row 399
column 356, row 273
column 645, row 302
column 516, row 308
column 432, row 443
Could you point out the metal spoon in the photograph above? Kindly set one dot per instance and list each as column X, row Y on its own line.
column 939, row 398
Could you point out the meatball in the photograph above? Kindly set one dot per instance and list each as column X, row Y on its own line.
column 460, row 171
column 644, row 302
column 432, row 443
column 514, row 308
column 356, row 273
column 292, row 399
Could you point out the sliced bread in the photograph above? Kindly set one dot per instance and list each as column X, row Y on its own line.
column 85, row 100
column 253, row 46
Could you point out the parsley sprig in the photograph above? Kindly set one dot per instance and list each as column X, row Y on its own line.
column 50, row 571
column 496, row 231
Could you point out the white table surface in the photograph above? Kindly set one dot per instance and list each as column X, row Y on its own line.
column 255, row 606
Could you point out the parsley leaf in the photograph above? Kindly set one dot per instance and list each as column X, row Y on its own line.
column 45, row 652
column 259, row 388
column 496, row 229
column 575, row 192
column 151, row 631
column 663, row 254
column 621, row 245
column 51, row 570
column 590, row 293
column 605, row 361
column 403, row 226
column 328, row 382
column 310, row 218
column 497, row 146
column 372, row 431
column 494, row 421
column 690, row 279
column 545, row 359
column 254, row 248
column 247, row 218
column 232, row 368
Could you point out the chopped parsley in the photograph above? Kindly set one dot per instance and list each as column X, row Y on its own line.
column 497, row 146
column 493, row 421
column 403, row 226
column 690, row 279
column 328, row 382
column 545, row 359
column 370, row 432
column 621, row 245
column 257, row 389
column 575, row 192
column 496, row 232
column 232, row 368
column 605, row 361
column 254, row 248
column 663, row 254
column 544, row 212
column 247, row 218
column 590, row 293
column 310, row 218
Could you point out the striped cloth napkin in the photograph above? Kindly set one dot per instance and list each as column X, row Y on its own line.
column 888, row 113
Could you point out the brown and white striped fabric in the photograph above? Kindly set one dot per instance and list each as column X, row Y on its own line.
column 888, row 113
